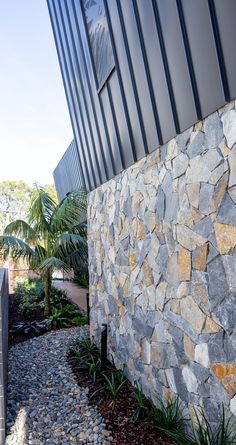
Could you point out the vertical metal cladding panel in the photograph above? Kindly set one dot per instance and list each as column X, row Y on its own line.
column 123, row 66
column 156, row 68
column 72, row 103
column 226, row 17
column 204, row 55
column 82, row 53
column 140, row 83
column 78, row 94
column 177, row 61
column 68, row 174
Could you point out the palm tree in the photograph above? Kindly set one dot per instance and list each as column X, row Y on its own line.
column 52, row 239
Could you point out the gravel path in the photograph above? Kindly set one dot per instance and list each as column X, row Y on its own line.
column 45, row 404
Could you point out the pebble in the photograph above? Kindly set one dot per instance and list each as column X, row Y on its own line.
column 45, row 404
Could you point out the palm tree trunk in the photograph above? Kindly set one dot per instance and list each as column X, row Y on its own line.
column 48, row 288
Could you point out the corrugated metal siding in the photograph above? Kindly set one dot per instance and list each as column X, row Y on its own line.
column 68, row 175
column 174, row 64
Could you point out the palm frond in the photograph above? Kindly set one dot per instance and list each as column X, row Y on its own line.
column 54, row 263
column 42, row 208
column 70, row 212
column 22, row 229
column 15, row 246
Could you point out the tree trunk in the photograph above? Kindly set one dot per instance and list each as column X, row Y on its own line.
column 48, row 287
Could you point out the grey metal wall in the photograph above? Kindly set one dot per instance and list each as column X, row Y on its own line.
column 175, row 63
column 4, row 296
column 68, row 175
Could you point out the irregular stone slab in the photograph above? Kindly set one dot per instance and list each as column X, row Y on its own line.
column 180, row 164
column 229, row 127
column 193, row 193
column 172, row 273
column 172, row 150
column 225, row 237
column 227, row 211
column 212, row 128
column 190, row 379
column 199, row 290
column 184, row 264
column 232, row 194
column 229, row 263
column 218, row 287
column 211, row 327
column 196, row 144
column 201, row 355
column 226, row 374
column 233, row 405
column 189, row 239
column 204, row 227
column 192, row 314
column 232, row 166
column 212, row 159
column 197, row 171
column 225, row 315
column 199, row 257
column 205, row 198
column 189, row 347
column 160, row 205
column 219, row 192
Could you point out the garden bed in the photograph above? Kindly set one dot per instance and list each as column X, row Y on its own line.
column 120, row 419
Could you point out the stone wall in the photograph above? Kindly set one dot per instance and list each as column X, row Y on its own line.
column 162, row 252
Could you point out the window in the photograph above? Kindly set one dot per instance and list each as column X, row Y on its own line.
column 99, row 39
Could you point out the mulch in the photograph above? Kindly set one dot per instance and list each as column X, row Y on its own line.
column 119, row 421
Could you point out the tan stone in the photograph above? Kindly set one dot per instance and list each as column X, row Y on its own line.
column 100, row 286
column 224, row 149
column 168, row 395
column 221, row 187
column 132, row 262
column 126, row 289
column 141, row 234
column 122, row 309
column 200, row 257
column 210, row 326
column 125, row 230
column 189, row 347
column 134, row 227
column 148, row 277
column 184, row 264
column 175, row 307
column 193, row 193
column 192, row 314
column 225, row 237
column 198, row 126
column 136, row 201
column 226, row 374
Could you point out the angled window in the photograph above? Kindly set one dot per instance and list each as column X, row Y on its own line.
column 99, row 39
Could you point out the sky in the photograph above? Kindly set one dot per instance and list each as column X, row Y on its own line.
column 35, row 127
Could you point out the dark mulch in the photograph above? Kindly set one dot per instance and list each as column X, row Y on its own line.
column 119, row 421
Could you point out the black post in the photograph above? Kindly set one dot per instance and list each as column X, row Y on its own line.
column 88, row 308
column 104, row 347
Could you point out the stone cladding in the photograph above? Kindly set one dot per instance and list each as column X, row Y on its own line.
column 162, row 255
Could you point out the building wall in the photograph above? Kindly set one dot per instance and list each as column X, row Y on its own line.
column 174, row 63
column 162, row 239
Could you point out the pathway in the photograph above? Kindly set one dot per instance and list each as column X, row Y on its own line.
column 74, row 292
column 45, row 404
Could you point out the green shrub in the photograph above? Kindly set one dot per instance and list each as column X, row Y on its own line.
column 29, row 289
column 169, row 418
column 224, row 432
column 114, row 385
column 141, row 411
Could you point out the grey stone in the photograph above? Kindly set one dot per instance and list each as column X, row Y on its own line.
column 216, row 348
column 163, row 259
column 160, row 205
column 199, row 289
column 180, row 164
column 229, row 262
column 213, row 131
column 204, row 227
column 196, row 144
column 183, row 138
column 229, row 127
column 218, row 287
column 227, row 211
column 172, row 206
column 205, row 198
column 213, row 253
column 212, row 159
column 197, row 171
column 226, row 314
column 141, row 327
